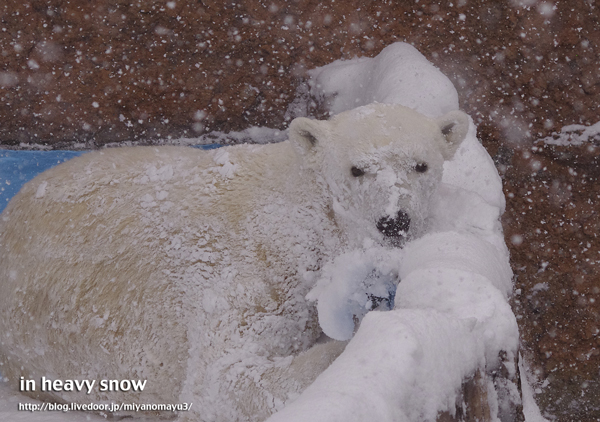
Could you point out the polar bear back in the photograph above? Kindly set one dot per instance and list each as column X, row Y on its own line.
column 171, row 236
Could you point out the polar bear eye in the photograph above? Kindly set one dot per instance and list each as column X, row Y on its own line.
column 356, row 172
column 421, row 168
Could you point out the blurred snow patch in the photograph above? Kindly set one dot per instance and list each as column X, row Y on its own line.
column 8, row 79
column 252, row 135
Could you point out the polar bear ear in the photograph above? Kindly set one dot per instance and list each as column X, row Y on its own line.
column 307, row 136
column 454, row 127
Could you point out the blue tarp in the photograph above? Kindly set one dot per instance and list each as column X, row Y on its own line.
column 19, row 167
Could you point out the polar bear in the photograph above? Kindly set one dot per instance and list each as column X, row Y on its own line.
column 189, row 269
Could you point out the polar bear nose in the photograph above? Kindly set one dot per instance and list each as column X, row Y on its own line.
column 394, row 227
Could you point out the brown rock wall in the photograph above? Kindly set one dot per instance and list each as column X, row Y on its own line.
column 113, row 70
column 551, row 225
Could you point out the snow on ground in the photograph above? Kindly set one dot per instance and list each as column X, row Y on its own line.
column 530, row 408
column 450, row 314
column 574, row 135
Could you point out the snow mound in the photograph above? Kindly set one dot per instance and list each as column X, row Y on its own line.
column 398, row 75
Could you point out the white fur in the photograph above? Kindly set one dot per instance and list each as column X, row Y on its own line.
column 189, row 268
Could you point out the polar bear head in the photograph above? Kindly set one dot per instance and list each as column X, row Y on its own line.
column 379, row 166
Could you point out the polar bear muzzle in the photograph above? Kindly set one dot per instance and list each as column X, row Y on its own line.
column 394, row 228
